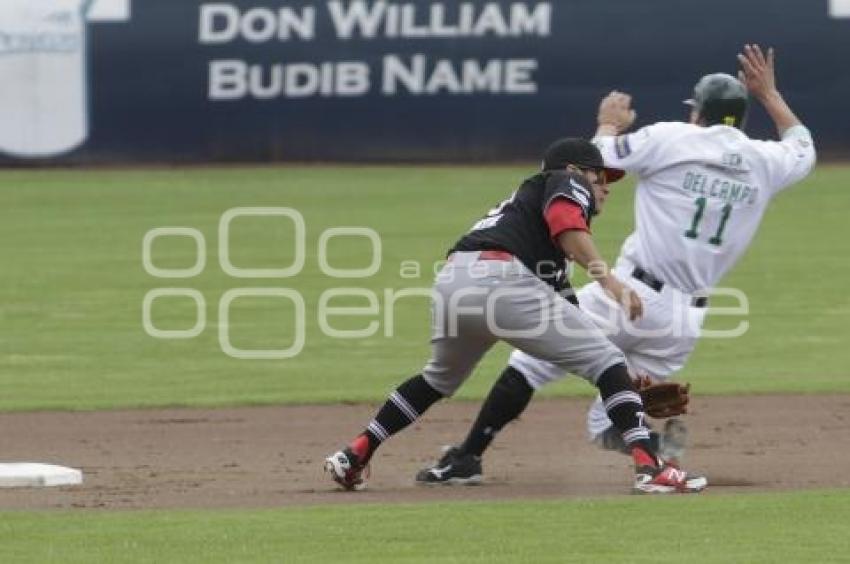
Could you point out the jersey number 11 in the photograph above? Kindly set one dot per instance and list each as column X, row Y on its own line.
column 717, row 239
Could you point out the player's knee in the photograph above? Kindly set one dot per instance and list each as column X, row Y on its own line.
column 535, row 372
column 444, row 380
column 514, row 382
column 609, row 360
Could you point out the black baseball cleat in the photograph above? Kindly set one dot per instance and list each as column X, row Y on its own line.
column 454, row 468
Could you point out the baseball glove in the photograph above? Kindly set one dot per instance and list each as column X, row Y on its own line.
column 664, row 399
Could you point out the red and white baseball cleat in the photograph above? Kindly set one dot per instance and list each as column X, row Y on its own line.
column 346, row 470
column 666, row 479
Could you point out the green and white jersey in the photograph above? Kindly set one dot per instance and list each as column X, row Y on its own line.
column 701, row 194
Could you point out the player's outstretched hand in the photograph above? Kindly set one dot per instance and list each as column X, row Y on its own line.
column 625, row 296
column 615, row 111
column 757, row 71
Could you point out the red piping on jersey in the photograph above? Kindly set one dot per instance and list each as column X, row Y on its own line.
column 495, row 255
column 564, row 215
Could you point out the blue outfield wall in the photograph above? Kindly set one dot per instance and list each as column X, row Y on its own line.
column 134, row 81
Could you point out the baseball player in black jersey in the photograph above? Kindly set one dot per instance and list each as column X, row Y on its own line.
column 500, row 283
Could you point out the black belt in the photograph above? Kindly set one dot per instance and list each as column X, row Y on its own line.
column 656, row 284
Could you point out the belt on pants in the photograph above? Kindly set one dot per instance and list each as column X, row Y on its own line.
column 647, row 278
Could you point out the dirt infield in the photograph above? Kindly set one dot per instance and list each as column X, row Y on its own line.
column 272, row 456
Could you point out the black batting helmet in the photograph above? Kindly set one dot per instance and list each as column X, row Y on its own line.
column 720, row 99
column 578, row 152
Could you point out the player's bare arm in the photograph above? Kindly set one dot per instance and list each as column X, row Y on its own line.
column 615, row 114
column 579, row 247
column 758, row 74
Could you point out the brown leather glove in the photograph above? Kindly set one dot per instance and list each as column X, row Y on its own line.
column 663, row 399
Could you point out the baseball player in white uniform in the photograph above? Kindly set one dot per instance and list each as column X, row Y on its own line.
column 703, row 188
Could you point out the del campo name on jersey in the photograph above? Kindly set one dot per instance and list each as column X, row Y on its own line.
column 719, row 188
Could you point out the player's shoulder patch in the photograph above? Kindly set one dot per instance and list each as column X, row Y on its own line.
column 626, row 144
column 622, row 146
column 572, row 186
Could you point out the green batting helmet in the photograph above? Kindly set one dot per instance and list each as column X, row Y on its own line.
column 720, row 99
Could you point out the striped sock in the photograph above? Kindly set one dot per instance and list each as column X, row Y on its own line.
column 403, row 407
column 624, row 407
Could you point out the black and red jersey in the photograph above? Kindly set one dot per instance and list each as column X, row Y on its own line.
column 526, row 225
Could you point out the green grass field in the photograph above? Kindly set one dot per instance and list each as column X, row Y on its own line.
column 73, row 285
column 790, row 527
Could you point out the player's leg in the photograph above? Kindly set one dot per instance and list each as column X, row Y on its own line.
column 451, row 363
column 516, row 385
column 458, row 343
column 576, row 345
column 524, row 313
column 507, row 399
column 658, row 346
column 461, row 464
column 554, row 330
column 610, row 317
column 525, row 374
